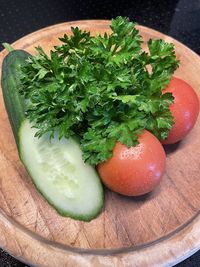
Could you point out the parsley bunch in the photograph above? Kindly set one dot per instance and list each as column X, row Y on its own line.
column 102, row 89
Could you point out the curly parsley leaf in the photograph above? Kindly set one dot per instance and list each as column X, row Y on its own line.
column 102, row 89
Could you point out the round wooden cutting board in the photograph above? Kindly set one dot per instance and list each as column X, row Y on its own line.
column 159, row 229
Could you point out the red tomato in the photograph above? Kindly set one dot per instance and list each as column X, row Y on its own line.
column 137, row 170
column 185, row 109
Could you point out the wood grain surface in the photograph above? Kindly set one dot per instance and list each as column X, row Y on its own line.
column 159, row 229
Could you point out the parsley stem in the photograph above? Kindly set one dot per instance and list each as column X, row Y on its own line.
column 115, row 49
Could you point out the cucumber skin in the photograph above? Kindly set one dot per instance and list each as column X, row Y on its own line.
column 10, row 83
column 14, row 103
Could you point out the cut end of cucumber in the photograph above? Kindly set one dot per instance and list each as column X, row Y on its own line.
column 8, row 47
column 59, row 173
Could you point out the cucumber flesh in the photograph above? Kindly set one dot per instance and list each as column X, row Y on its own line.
column 60, row 174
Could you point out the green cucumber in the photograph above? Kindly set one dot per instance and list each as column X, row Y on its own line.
column 10, row 83
column 56, row 166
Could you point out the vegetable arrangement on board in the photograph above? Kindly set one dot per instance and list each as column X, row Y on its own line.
column 96, row 102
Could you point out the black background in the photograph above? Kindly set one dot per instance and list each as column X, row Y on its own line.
column 179, row 19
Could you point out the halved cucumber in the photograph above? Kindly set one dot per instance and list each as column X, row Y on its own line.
column 60, row 174
column 55, row 166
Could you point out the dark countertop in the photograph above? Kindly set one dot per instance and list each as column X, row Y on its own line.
column 179, row 19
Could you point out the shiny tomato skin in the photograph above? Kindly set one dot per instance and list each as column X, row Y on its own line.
column 137, row 170
column 185, row 109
